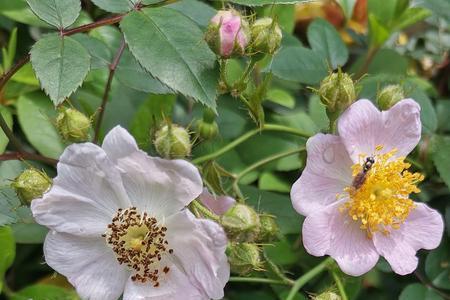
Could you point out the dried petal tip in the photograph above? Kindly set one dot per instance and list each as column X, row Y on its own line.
column 172, row 141
column 269, row 228
column 266, row 36
column 241, row 223
column 73, row 125
column 31, row 184
column 228, row 34
column 337, row 92
column 244, row 258
column 389, row 96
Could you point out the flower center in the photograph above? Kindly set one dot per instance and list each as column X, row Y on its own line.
column 379, row 194
column 139, row 242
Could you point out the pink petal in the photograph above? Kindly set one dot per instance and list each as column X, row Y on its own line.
column 363, row 127
column 327, row 173
column 217, row 204
column 334, row 233
column 228, row 34
column 422, row 230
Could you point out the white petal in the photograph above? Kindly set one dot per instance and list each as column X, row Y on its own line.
column 363, row 127
column 119, row 143
column 334, row 233
column 199, row 246
column 174, row 286
column 422, row 230
column 158, row 186
column 88, row 263
column 327, row 173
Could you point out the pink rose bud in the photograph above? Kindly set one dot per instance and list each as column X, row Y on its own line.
column 228, row 34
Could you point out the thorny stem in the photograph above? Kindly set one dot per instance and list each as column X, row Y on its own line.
column 300, row 282
column 339, row 285
column 246, row 136
column 28, row 156
column 112, row 70
column 258, row 280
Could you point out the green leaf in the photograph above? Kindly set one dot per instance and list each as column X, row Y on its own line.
column 6, row 114
column 325, row 40
column 197, row 11
column 61, row 64
column 148, row 117
column 281, row 97
column 173, row 52
column 29, row 233
column 100, row 54
column 9, row 203
column 299, row 64
column 45, row 292
column 284, row 14
column 18, row 10
column 427, row 113
column 378, row 32
column 7, row 251
column 36, row 117
column 440, row 147
column 417, row 291
column 410, row 16
column 59, row 13
column 437, row 266
column 130, row 73
column 115, row 6
column 26, row 75
column 269, row 181
column 347, row 7
column 385, row 12
column 266, row 2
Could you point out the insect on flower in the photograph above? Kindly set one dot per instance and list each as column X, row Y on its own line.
column 361, row 176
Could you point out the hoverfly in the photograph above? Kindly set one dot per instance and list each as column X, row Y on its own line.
column 360, row 178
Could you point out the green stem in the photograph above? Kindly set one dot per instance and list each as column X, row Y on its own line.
column 248, row 70
column 299, row 283
column 266, row 161
column 204, row 211
column 258, row 280
column 339, row 285
column 246, row 136
column 276, row 270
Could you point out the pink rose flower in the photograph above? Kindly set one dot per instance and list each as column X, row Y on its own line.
column 355, row 191
column 217, row 204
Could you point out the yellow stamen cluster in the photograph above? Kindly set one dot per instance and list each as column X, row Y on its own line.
column 139, row 242
column 381, row 203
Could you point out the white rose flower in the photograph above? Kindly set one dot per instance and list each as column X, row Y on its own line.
column 118, row 224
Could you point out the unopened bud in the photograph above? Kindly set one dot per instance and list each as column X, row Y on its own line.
column 244, row 258
column 241, row 223
column 328, row 296
column 228, row 34
column 172, row 141
column 337, row 92
column 31, row 184
column 269, row 228
column 207, row 131
column 390, row 95
column 266, row 36
column 73, row 125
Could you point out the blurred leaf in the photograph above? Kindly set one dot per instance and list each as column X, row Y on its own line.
column 149, row 115
column 173, row 52
column 18, row 10
column 6, row 114
column 197, row 11
column 45, row 292
column 61, row 64
column 100, row 54
column 7, row 251
column 439, row 7
column 440, row 147
column 299, row 64
column 26, row 75
column 410, row 16
column 325, row 40
column 277, row 205
column 385, row 12
column 115, row 6
column 265, row 2
column 29, row 233
column 36, row 117
column 417, row 291
column 282, row 253
column 130, row 73
column 281, row 97
column 61, row 13
column 318, row 113
column 269, row 181
column 427, row 112
column 437, row 266
column 347, row 7
column 378, row 32
column 284, row 14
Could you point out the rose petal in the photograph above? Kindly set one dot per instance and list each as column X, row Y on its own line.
column 199, row 247
column 118, row 143
column 327, row 173
column 363, row 127
column 332, row 232
column 88, row 263
column 422, row 230
column 217, row 204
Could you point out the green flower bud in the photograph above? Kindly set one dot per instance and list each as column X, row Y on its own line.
column 328, row 296
column 269, row 228
column 241, row 223
column 172, row 141
column 244, row 258
column 31, row 184
column 390, row 95
column 207, row 131
column 266, row 36
column 337, row 92
column 73, row 125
